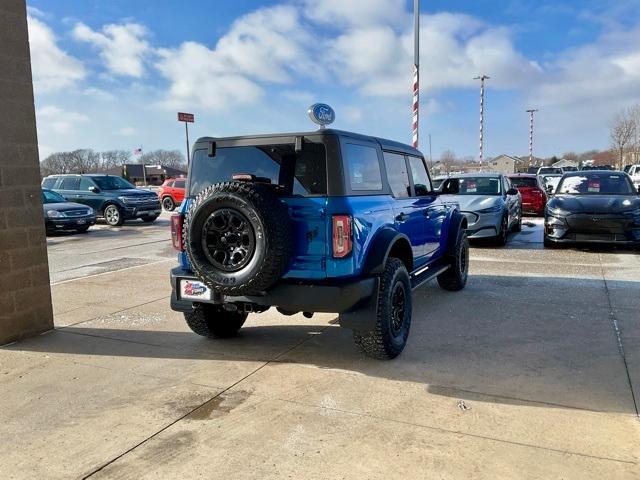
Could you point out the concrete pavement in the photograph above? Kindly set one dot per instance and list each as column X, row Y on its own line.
column 527, row 373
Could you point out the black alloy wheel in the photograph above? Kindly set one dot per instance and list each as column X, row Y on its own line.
column 228, row 240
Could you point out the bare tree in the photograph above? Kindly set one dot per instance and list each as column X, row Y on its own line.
column 447, row 160
column 623, row 133
column 114, row 158
column 573, row 156
column 166, row 158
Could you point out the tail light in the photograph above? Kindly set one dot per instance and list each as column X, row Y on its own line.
column 342, row 236
column 177, row 222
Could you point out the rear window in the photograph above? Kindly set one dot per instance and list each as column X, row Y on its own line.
column 48, row 182
column 179, row 184
column 523, row 182
column 364, row 167
column 303, row 173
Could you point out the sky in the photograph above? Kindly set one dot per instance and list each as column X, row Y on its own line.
column 112, row 75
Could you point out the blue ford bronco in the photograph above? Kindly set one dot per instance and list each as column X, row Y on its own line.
column 324, row 221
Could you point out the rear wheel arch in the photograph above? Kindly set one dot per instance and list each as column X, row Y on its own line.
column 388, row 243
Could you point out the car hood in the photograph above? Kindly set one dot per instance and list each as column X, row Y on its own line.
column 61, row 207
column 472, row 203
column 595, row 203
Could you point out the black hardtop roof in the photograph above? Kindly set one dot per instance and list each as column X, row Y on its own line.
column 384, row 143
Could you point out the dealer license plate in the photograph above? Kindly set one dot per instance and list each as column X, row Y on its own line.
column 194, row 290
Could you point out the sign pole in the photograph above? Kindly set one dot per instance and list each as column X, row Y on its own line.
column 187, row 118
column 186, row 129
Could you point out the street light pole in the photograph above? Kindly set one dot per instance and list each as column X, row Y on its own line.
column 482, row 78
column 416, row 72
column 531, row 112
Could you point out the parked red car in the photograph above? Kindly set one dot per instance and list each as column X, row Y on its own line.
column 171, row 193
column 534, row 196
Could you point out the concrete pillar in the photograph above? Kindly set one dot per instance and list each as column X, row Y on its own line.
column 25, row 296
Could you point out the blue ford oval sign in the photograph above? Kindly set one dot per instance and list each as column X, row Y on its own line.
column 321, row 113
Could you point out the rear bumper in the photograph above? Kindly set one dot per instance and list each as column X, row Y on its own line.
column 295, row 297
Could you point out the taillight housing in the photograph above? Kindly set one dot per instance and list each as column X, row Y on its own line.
column 342, row 235
column 177, row 221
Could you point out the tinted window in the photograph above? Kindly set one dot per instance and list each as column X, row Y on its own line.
column 52, row 197
column 168, row 183
column 596, row 184
column 472, row 186
column 302, row 173
column 364, row 167
column 48, row 182
column 85, row 184
column 109, row 182
column 179, row 184
column 524, row 182
column 397, row 175
column 421, row 181
column 69, row 183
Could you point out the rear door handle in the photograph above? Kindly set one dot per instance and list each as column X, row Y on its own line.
column 403, row 217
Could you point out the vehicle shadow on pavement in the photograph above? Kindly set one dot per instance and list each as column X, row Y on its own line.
column 486, row 343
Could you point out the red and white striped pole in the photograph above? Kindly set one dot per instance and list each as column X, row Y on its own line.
column 531, row 112
column 482, row 78
column 416, row 73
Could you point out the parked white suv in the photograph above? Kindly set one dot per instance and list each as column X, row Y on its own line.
column 634, row 173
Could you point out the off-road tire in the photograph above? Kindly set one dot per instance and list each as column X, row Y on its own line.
column 150, row 218
column 168, row 204
column 383, row 342
column 113, row 221
column 272, row 232
column 455, row 278
column 213, row 321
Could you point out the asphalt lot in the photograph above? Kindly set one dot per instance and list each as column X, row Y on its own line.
column 530, row 372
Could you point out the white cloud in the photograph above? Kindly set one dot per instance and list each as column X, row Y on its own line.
column 57, row 120
column 354, row 12
column 53, row 68
column 127, row 131
column 267, row 45
column 122, row 47
column 455, row 48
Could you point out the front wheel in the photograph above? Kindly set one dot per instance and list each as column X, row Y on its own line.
column 213, row 321
column 503, row 234
column 393, row 315
column 455, row 278
column 168, row 204
column 518, row 226
column 113, row 216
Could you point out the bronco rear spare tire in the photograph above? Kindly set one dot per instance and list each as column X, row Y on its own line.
column 238, row 237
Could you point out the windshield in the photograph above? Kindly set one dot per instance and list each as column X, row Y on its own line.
column 596, row 184
column 112, row 183
column 472, row 186
column 52, row 197
column 303, row 173
column 524, row 182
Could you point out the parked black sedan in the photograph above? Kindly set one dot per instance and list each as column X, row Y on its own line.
column 593, row 206
column 60, row 215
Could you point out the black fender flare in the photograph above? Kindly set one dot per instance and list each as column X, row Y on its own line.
column 380, row 248
column 457, row 222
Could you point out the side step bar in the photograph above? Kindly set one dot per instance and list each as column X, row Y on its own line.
column 425, row 274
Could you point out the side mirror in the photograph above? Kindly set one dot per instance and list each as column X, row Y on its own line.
column 94, row 189
column 549, row 189
column 638, row 188
column 512, row 191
